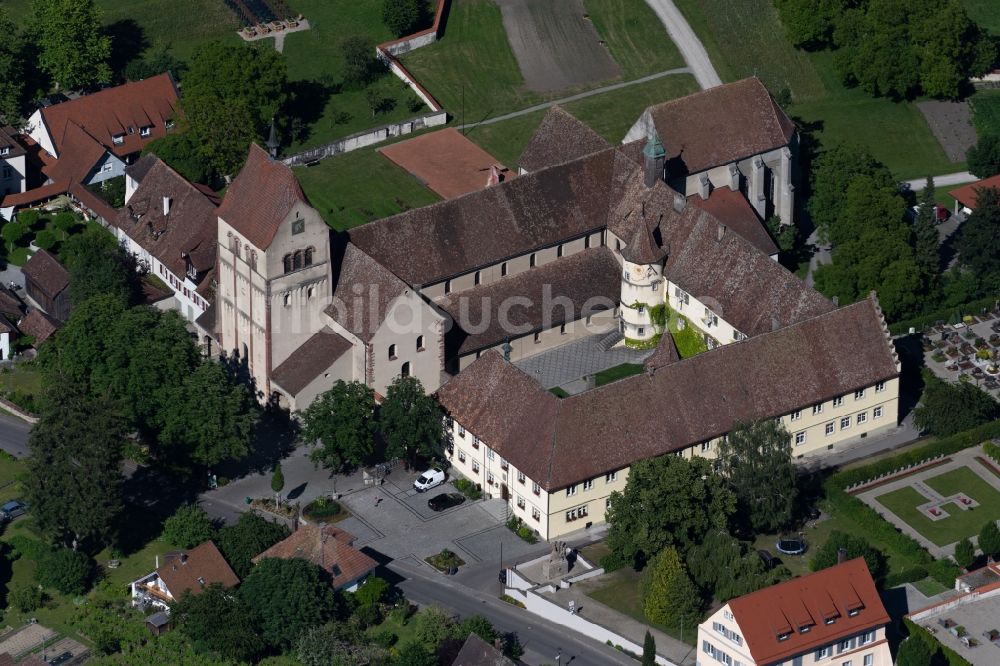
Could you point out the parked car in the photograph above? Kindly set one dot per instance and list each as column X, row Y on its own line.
column 12, row 510
column 445, row 501
column 941, row 213
column 432, row 478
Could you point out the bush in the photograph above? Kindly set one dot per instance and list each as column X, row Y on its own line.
column 518, row 527
column 64, row 221
column 908, row 575
column 45, row 239
column 992, row 450
column 384, row 638
column 468, row 488
column 27, row 218
column 367, row 616
column 944, row 572
column 321, row 509
column 25, row 598
column 24, row 546
column 856, row 546
column 188, row 527
column 374, row 591
column 66, row 570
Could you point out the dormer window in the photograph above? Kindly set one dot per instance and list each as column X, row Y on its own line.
column 118, row 139
column 5, row 150
column 804, row 629
column 145, row 131
column 131, row 130
column 784, row 636
column 830, row 620
column 192, row 272
column 853, row 612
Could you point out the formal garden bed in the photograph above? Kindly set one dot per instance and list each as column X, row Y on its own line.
column 45, row 230
column 272, row 506
column 324, row 510
column 468, row 488
column 446, row 561
column 522, row 529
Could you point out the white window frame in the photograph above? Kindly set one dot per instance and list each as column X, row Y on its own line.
column 571, row 490
column 800, row 438
column 845, row 423
column 862, row 418
column 859, row 394
column 118, row 139
column 588, row 484
column 877, row 412
column 818, row 409
column 145, row 131
column 796, row 415
column 879, row 387
column 611, row 477
column 831, row 428
column 838, row 401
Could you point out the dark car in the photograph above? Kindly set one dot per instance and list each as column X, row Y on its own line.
column 12, row 510
column 445, row 501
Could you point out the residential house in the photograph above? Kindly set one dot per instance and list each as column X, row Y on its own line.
column 13, row 163
column 477, row 652
column 832, row 617
column 328, row 547
column 186, row 571
column 46, row 283
column 966, row 195
column 169, row 225
column 38, row 326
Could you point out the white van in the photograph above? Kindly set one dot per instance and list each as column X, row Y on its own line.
column 429, row 479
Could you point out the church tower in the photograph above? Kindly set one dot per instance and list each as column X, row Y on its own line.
column 642, row 287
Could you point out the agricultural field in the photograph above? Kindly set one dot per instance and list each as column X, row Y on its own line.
column 745, row 39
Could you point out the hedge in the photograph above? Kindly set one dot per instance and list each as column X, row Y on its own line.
column 944, row 314
column 908, row 575
column 952, row 657
column 992, row 450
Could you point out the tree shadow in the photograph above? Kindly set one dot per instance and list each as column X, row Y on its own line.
column 297, row 491
column 151, row 496
column 128, row 41
column 305, row 106
column 275, row 435
column 911, row 382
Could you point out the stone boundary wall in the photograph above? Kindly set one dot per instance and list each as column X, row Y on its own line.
column 17, row 411
column 897, row 474
column 387, row 52
column 951, row 604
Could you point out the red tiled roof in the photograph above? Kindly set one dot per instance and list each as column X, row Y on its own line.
column 314, row 356
column 477, row 652
column 260, row 198
column 38, row 325
column 10, row 139
column 809, row 600
column 195, row 569
column 35, row 195
column 733, row 210
column 45, row 271
column 81, row 153
column 326, row 546
column 721, row 125
column 94, row 203
column 114, row 111
column 966, row 195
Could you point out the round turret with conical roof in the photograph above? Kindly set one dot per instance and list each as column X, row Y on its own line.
column 642, row 286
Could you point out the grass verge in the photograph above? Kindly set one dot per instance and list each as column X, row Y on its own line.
column 635, row 36
column 618, row 372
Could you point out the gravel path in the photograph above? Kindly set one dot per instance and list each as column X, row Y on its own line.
column 687, row 42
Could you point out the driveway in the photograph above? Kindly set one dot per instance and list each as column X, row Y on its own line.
column 687, row 42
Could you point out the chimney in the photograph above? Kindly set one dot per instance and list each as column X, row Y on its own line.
column 775, row 325
column 157, row 561
column 680, row 202
column 184, row 558
column 720, row 233
column 836, row 301
column 841, row 555
column 704, row 186
column 166, row 205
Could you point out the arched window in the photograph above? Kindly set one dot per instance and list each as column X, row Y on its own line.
column 392, row 352
column 287, row 261
column 309, row 292
column 288, row 300
column 253, row 260
column 309, row 256
column 420, row 342
column 297, row 260
column 404, row 370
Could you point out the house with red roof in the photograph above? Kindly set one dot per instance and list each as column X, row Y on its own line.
column 832, row 617
column 183, row 572
column 966, row 195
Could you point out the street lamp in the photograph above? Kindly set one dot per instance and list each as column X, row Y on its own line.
column 559, row 657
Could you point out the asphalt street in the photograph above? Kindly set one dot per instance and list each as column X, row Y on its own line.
column 542, row 640
column 14, row 435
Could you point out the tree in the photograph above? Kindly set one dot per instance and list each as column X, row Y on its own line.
column 188, row 527
column 984, row 156
column 965, row 553
column 756, row 461
column 210, row 418
column 66, row 570
column 277, row 480
column 925, row 235
column 219, row 622
column 288, row 596
column 724, row 567
column 332, row 643
column 946, row 408
column 376, row 100
column 45, row 239
column 360, row 65
column 231, row 93
column 415, row 654
column 401, row 16
column 249, row 537
column 13, row 232
column 372, row 592
column 74, row 473
column 63, row 222
column 432, row 625
column 669, row 596
column 12, row 71
column 828, row 555
column 833, row 172
column 668, row 501
column 810, row 25
column 411, row 422
column 182, row 151
column 73, row 48
column 98, row 265
column 342, row 420
column 989, row 539
column 25, row 598
column 914, row 651
column 648, row 650
column 978, row 244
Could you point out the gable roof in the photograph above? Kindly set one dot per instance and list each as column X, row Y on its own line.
column 721, row 125
column 733, row 210
column 195, row 569
column 260, row 197
column 477, row 652
column 328, row 547
column 305, row 364
column 967, row 194
column 38, row 325
column 188, row 232
column 113, row 111
column 809, row 600
column 9, row 139
column 678, row 404
column 138, row 170
column 363, row 293
column 80, row 153
column 45, row 271
column 560, row 138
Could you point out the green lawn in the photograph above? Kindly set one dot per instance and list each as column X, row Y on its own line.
column 359, row 187
column 960, row 523
column 986, row 112
column 746, row 38
column 24, row 378
column 618, row 372
column 635, row 36
column 929, row 587
column 985, row 13
column 622, row 591
column 689, row 340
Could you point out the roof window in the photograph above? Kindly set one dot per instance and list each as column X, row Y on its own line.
column 118, row 139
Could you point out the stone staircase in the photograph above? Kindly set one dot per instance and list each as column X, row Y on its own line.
column 610, row 340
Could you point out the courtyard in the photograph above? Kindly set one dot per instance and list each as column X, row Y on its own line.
column 943, row 503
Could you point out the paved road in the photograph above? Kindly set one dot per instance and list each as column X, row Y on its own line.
column 14, row 435
column 942, row 181
column 541, row 639
column 687, row 42
column 573, row 98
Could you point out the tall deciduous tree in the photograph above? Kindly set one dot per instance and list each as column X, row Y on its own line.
column 827, row 555
column 925, row 235
column 833, row 172
column 965, row 553
column 946, row 408
column 978, row 243
column 74, row 472
column 989, row 539
column 12, row 71
column 231, row 93
column 756, row 461
column 248, row 538
column 210, row 419
column 289, row 597
column 335, row 643
column 669, row 596
column 984, row 156
column 411, row 422
column 724, row 567
column 188, row 527
column 342, row 420
column 74, row 50
column 97, row 266
column 360, row 65
column 218, row 621
column 668, row 501
column 401, row 16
